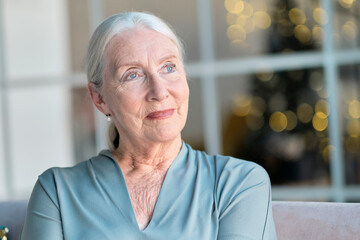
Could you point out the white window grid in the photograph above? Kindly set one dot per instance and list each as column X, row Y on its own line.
column 208, row 69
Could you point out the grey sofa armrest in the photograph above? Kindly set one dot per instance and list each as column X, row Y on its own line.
column 317, row 220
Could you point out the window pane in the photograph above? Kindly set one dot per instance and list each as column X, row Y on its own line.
column 279, row 120
column 35, row 35
column 254, row 27
column 347, row 24
column 193, row 132
column 350, row 103
column 182, row 15
column 40, row 133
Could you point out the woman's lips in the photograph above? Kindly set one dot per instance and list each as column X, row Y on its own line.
column 160, row 114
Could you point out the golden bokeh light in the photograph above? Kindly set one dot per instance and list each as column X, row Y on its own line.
column 236, row 32
column 323, row 107
column 248, row 9
column 323, row 93
column 278, row 121
column 346, row 3
column 249, row 25
column 304, row 113
column 241, row 20
column 354, row 109
column 242, row 105
column 320, row 121
column 297, row 16
column 353, row 128
column 349, row 30
column 302, row 33
column 234, row 6
column 291, row 120
column 316, row 81
column 262, row 20
column 318, row 33
column 320, row 16
column 352, row 144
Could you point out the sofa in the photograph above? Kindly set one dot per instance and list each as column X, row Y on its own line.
column 293, row 220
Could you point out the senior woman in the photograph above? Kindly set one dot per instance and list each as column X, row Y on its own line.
column 149, row 184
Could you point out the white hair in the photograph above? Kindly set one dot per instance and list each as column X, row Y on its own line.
column 109, row 28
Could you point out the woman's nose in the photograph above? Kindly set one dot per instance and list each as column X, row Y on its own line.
column 157, row 88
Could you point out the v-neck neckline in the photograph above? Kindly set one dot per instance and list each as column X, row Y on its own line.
column 125, row 204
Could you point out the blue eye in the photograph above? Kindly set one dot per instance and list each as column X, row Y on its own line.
column 132, row 76
column 169, row 68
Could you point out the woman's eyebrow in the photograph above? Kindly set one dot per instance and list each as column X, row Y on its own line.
column 167, row 57
column 119, row 63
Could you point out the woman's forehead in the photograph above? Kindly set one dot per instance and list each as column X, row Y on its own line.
column 138, row 43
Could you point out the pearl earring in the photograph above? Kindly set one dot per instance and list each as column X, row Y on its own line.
column 108, row 117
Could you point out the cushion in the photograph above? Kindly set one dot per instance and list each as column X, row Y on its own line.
column 12, row 215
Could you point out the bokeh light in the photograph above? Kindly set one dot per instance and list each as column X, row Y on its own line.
column 349, row 30
column 320, row 121
column 234, row 6
column 248, row 9
column 346, row 3
column 354, row 109
column 304, row 113
column 353, row 128
column 262, row 19
column 318, row 33
column 316, row 80
column 302, row 33
column 297, row 16
column 323, row 107
column 320, row 16
column 242, row 105
column 291, row 120
column 231, row 18
column 236, row 32
column 278, row 121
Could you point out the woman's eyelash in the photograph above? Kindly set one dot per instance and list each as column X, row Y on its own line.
column 170, row 67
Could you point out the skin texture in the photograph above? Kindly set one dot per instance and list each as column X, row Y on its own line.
column 146, row 92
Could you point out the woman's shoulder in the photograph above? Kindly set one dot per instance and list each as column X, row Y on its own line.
column 227, row 166
column 77, row 173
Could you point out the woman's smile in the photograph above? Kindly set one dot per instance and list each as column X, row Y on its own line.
column 159, row 115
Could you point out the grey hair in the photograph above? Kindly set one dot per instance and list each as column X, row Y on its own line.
column 110, row 27
column 113, row 26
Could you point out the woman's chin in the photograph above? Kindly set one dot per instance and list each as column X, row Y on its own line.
column 165, row 135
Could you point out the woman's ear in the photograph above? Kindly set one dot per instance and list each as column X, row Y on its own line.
column 98, row 99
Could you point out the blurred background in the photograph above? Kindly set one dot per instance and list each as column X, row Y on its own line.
column 272, row 81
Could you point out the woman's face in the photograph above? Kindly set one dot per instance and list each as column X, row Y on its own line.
column 145, row 87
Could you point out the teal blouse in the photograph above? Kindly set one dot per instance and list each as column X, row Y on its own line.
column 202, row 197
